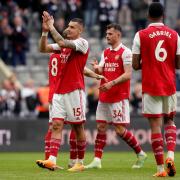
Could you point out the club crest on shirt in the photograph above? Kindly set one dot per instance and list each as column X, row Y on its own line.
column 117, row 57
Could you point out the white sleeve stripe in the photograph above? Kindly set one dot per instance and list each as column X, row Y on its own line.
column 178, row 45
column 136, row 44
column 101, row 63
column 127, row 56
column 55, row 46
column 81, row 45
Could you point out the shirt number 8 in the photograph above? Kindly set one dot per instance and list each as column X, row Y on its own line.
column 54, row 68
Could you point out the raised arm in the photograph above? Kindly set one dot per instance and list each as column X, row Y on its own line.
column 44, row 47
column 58, row 38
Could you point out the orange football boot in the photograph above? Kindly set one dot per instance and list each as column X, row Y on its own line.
column 170, row 167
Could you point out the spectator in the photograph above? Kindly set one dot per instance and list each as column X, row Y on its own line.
column 73, row 10
column 20, row 42
column 60, row 24
column 139, row 13
column 9, row 99
column 5, row 44
column 29, row 99
column 43, row 107
column 106, row 15
column 124, row 14
column 90, row 14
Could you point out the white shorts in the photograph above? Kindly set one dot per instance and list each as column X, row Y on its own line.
column 116, row 113
column 158, row 106
column 50, row 113
column 69, row 107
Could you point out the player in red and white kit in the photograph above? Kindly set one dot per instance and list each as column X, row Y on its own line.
column 69, row 98
column 113, row 105
column 54, row 73
column 156, row 50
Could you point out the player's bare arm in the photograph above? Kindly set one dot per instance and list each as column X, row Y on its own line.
column 43, row 42
column 177, row 61
column 89, row 73
column 67, row 44
column 43, row 45
column 136, row 61
column 123, row 78
column 58, row 38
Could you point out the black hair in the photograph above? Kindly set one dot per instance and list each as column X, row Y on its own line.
column 78, row 20
column 115, row 26
column 156, row 10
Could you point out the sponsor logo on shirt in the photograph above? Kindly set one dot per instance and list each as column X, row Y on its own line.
column 111, row 67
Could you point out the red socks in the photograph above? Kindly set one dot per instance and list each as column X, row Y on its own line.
column 47, row 144
column 54, row 146
column 157, row 146
column 170, row 135
column 100, row 143
column 73, row 145
column 81, row 147
column 129, row 138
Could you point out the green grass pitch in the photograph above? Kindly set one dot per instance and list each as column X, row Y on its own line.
column 115, row 166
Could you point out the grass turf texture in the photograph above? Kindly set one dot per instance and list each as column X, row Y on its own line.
column 115, row 166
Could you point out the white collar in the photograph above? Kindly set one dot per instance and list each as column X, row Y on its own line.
column 156, row 24
column 117, row 48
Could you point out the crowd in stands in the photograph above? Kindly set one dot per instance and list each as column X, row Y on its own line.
column 16, row 20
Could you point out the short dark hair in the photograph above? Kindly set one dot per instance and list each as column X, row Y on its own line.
column 78, row 20
column 115, row 26
column 156, row 10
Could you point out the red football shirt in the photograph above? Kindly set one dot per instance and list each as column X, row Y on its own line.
column 73, row 62
column 113, row 62
column 158, row 48
column 54, row 72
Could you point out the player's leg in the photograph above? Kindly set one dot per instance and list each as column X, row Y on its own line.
column 57, row 127
column 81, row 147
column 157, row 145
column 100, row 143
column 170, row 132
column 153, row 110
column 55, row 142
column 130, row 139
column 48, row 134
column 47, row 141
column 75, row 103
column 102, row 117
column 170, row 136
column 73, row 149
column 120, row 118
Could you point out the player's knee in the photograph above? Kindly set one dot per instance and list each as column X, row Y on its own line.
column 119, row 130
column 101, row 127
column 57, row 126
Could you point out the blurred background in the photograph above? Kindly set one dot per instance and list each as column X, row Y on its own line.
column 24, row 70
